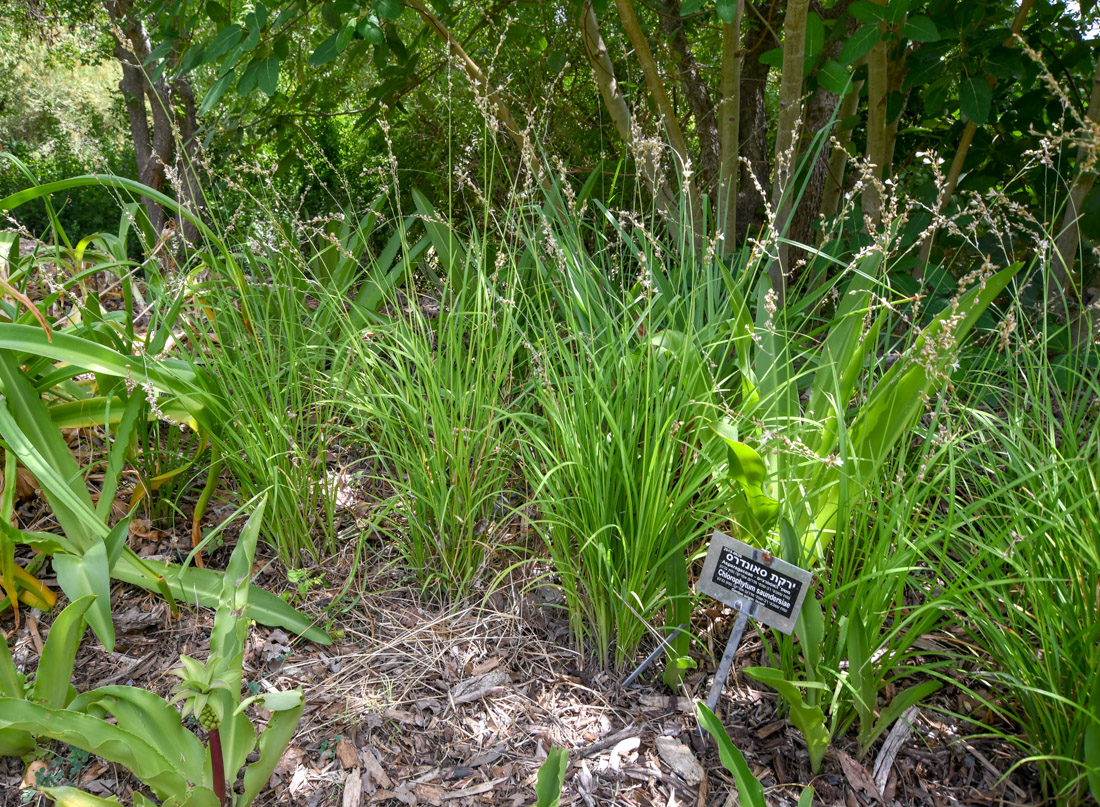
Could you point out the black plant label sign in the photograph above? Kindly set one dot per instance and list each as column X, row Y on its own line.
column 740, row 575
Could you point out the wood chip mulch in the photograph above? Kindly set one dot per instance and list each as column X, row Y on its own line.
column 417, row 704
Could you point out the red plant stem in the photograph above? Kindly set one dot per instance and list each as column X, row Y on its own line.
column 217, row 766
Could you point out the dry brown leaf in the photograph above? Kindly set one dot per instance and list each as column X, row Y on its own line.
column 348, row 756
column 30, row 778
column 680, row 759
column 429, row 794
column 374, row 769
column 858, row 777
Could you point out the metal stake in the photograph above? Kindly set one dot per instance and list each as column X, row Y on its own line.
column 649, row 659
column 731, row 650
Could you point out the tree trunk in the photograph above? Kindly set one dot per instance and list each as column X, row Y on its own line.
column 728, row 131
column 697, row 93
column 878, row 79
column 150, row 171
column 189, row 191
column 755, row 177
column 656, row 87
column 786, row 138
column 1068, row 239
column 838, row 158
column 618, row 109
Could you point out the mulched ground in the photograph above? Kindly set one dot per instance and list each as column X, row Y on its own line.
column 416, row 704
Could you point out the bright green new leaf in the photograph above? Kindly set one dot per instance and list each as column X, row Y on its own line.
column 55, row 668
column 749, row 791
column 810, row 720
column 90, row 575
column 551, row 778
column 273, row 742
column 748, row 469
column 97, row 737
column 72, row 797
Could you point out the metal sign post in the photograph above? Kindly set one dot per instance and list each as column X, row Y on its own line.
column 754, row 583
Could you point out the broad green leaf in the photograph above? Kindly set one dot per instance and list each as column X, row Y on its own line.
column 11, row 682
column 148, row 715
column 217, row 12
column 810, row 720
column 223, row 42
column 727, row 10
column 750, row 793
column 815, row 37
column 867, row 12
column 215, row 93
column 29, row 430
column 98, row 737
column 833, row 76
column 859, row 44
column 249, row 78
column 920, row 29
column 975, row 99
column 551, row 777
column 72, row 797
column 749, row 470
column 388, row 9
column 370, row 31
column 272, row 743
column 267, row 75
column 55, row 668
column 204, row 586
column 896, row 11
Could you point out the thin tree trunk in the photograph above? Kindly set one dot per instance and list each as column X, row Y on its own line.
column 482, row 83
column 618, row 108
column 150, row 173
column 1068, row 239
column 657, row 90
column 729, row 117
column 838, row 158
column 187, row 156
column 967, row 138
column 697, row 94
column 786, row 138
column 755, row 176
column 877, row 89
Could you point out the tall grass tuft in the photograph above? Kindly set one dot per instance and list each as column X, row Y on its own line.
column 1031, row 551
column 434, row 398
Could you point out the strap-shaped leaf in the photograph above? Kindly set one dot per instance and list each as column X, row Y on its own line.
column 204, row 586
column 55, row 668
column 748, row 469
column 98, row 737
column 273, row 742
column 749, row 791
column 148, row 715
column 810, row 720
